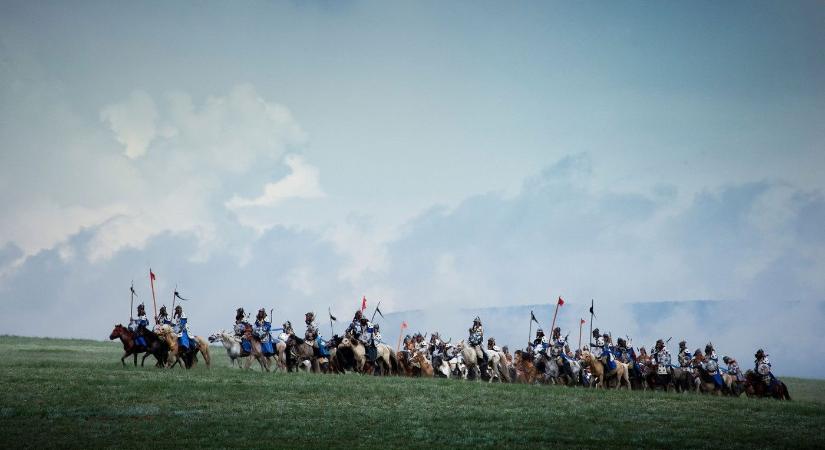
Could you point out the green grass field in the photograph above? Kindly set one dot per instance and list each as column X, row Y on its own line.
column 73, row 393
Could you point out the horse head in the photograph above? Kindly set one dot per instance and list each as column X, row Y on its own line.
column 118, row 331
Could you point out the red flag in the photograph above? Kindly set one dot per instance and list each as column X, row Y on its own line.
column 583, row 322
column 561, row 302
column 363, row 304
column 403, row 324
column 152, row 274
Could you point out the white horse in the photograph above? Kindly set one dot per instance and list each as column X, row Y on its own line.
column 231, row 343
column 498, row 366
column 471, row 355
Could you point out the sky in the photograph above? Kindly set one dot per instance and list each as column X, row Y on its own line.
column 438, row 157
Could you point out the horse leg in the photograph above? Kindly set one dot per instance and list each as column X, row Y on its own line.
column 135, row 355
column 123, row 359
column 144, row 358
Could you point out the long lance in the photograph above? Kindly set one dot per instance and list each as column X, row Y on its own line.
column 530, row 333
column 591, row 324
column 553, row 324
column 154, row 302
column 173, row 297
column 376, row 310
column 581, row 324
column 132, row 300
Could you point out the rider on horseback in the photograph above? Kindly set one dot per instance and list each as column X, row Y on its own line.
column 762, row 365
column 627, row 355
column 733, row 368
column 179, row 324
column 163, row 317
column 597, row 344
column 684, row 355
column 240, row 326
column 661, row 356
column 139, row 324
column 354, row 328
column 711, row 365
column 367, row 335
column 540, row 343
column 477, row 338
column 262, row 329
column 311, row 333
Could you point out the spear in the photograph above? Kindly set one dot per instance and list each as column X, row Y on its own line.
column 331, row 319
column 154, row 302
column 132, row 301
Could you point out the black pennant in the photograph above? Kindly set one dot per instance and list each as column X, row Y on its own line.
column 533, row 317
column 331, row 317
column 378, row 310
column 180, row 298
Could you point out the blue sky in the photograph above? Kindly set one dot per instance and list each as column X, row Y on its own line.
column 301, row 155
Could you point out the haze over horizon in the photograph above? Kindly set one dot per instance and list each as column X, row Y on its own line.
column 434, row 156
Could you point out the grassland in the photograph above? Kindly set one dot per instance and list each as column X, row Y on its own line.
column 72, row 393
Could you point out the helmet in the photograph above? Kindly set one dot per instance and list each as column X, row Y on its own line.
column 698, row 352
column 682, row 344
column 310, row 316
column 539, row 332
column 363, row 320
column 140, row 307
column 163, row 310
column 239, row 314
column 557, row 330
column 491, row 340
column 660, row 343
column 725, row 359
column 287, row 324
column 596, row 332
column 709, row 348
column 178, row 308
column 759, row 354
column 376, row 327
column 358, row 315
column 477, row 320
column 622, row 342
column 261, row 313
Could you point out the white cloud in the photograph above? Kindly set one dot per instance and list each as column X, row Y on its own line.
column 133, row 122
column 303, row 182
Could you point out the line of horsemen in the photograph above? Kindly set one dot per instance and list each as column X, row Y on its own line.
column 551, row 356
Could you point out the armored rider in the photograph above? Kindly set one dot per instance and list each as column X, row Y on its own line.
column 365, row 335
column 598, row 343
column 762, row 366
column 684, row 355
column 476, row 338
column 540, row 343
column 181, row 327
column 354, row 328
column 239, row 328
column 661, row 356
column 733, row 368
column 711, row 365
column 138, row 325
column 262, row 328
column 163, row 317
column 311, row 334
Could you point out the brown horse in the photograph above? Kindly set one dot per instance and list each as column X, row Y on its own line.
column 525, row 369
column 256, row 352
column 178, row 354
column 756, row 387
column 127, row 338
column 597, row 369
column 423, row 365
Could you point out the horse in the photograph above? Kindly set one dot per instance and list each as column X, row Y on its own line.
column 498, row 367
column 755, row 387
column 546, row 366
column 189, row 357
column 702, row 380
column 130, row 347
column 231, row 343
column 597, row 369
column 298, row 352
column 420, row 361
column 735, row 387
column 569, row 371
column 471, row 356
column 155, row 346
column 357, row 351
column 525, row 369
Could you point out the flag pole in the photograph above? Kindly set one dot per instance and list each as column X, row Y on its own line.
column 400, row 334
column 132, row 300
column 530, row 333
column 154, row 302
column 591, row 324
column 553, row 325
column 331, row 328
column 581, row 324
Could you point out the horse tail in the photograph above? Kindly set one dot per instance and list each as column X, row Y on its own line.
column 785, row 394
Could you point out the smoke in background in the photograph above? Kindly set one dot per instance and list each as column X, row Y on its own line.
column 758, row 246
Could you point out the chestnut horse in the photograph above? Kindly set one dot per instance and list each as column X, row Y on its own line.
column 177, row 352
column 597, row 369
column 525, row 369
